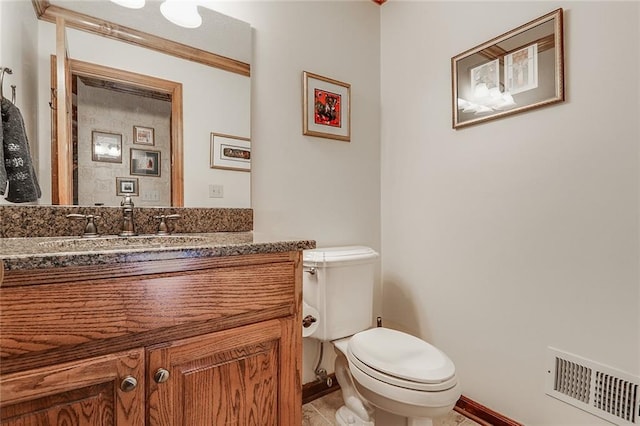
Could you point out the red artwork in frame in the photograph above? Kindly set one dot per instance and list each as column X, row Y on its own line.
column 327, row 108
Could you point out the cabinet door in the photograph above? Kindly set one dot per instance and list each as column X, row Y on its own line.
column 98, row 391
column 231, row 377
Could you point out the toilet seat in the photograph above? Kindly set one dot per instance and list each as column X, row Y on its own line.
column 402, row 360
column 403, row 401
column 396, row 395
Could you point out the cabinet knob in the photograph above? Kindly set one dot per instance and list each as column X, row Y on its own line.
column 161, row 375
column 128, row 384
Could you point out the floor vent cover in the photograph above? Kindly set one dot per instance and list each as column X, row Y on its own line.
column 600, row 390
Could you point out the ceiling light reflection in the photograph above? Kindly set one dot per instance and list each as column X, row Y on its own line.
column 486, row 100
column 131, row 4
column 181, row 12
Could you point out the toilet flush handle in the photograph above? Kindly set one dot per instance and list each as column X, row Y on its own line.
column 311, row 271
column 308, row 320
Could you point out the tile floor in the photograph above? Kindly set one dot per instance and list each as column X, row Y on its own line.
column 321, row 412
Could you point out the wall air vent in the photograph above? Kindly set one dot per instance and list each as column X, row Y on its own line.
column 600, row 390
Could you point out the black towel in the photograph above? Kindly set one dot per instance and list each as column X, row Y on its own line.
column 23, row 182
column 3, row 171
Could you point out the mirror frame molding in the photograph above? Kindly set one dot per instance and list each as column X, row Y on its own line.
column 61, row 165
column 50, row 13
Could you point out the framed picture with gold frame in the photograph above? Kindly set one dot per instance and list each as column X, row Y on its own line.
column 326, row 107
column 230, row 152
column 518, row 71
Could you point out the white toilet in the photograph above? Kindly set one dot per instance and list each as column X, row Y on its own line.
column 375, row 367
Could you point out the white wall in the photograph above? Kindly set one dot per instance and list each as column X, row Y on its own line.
column 302, row 185
column 306, row 186
column 498, row 240
column 507, row 237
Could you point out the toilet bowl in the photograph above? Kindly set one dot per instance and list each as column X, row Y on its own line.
column 377, row 368
column 398, row 373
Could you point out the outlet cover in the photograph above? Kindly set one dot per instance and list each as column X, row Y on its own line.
column 216, row 191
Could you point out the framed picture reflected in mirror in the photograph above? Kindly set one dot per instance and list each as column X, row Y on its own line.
column 145, row 162
column 126, row 186
column 143, row 135
column 106, row 147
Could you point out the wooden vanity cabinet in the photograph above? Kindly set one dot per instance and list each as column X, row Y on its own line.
column 193, row 342
column 230, row 377
column 86, row 392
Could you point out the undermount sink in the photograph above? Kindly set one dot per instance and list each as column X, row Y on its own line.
column 116, row 242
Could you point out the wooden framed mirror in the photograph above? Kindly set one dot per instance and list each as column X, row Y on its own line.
column 214, row 72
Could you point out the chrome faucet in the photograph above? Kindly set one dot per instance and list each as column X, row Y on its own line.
column 128, row 226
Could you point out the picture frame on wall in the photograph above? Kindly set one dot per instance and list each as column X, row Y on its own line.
column 230, row 152
column 143, row 135
column 518, row 71
column 106, row 147
column 326, row 107
column 126, row 186
column 145, row 162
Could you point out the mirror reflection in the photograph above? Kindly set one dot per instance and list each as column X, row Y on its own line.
column 214, row 100
column 134, row 151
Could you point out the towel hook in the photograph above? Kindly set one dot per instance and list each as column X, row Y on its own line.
column 3, row 70
column 53, row 99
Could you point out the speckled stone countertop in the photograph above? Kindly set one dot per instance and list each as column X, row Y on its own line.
column 48, row 252
column 51, row 221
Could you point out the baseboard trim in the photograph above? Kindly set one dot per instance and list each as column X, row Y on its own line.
column 481, row 414
column 318, row 389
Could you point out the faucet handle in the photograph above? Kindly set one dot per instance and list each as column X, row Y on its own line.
column 90, row 229
column 163, row 228
column 126, row 201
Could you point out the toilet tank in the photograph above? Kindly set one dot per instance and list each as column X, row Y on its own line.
column 338, row 282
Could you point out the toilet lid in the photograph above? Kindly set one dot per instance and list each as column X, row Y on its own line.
column 401, row 355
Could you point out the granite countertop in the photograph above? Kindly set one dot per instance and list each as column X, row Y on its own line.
column 48, row 252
